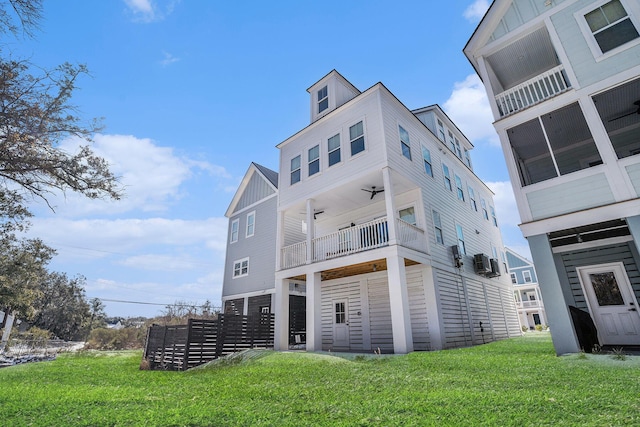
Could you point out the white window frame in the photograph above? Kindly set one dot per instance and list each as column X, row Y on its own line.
column 467, row 158
column 514, row 279
column 633, row 12
column 415, row 217
column 447, row 177
column 426, row 161
column 526, row 274
column 323, row 98
column 451, row 140
column 352, row 140
column 238, row 268
column 251, row 224
column 458, row 151
column 485, row 213
column 405, row 146
column 472, row 198
column 297, row 170
column 437, row 227
column 234, row 233
column 494, row 219
column 461, row 243
column 331, row 151
column 310, row 161
column 441, row 133
column 459, row 188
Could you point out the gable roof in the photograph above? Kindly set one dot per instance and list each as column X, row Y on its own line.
column 258, row 183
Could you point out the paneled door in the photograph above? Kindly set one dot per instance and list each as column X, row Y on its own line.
column 340, row 323
column 612, row 303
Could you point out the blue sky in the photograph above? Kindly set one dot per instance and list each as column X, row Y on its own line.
column 192, row 91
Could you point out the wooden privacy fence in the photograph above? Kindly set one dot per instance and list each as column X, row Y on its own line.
column 177, row 348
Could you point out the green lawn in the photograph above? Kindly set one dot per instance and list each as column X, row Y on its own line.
column 517, row 382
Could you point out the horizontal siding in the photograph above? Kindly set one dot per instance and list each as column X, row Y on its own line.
column 455, row 318
column 379, row 314
column 349, row 292
column 256, row 190
column 418, row 310
column 572, row 196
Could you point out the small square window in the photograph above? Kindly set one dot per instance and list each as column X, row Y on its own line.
column 241, row 268
column 408, row 215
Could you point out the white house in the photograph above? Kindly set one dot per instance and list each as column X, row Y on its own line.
column 562, row 77
column 379, row 217
column 526, row 290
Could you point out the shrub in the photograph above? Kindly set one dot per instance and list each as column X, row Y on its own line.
column 524, row 328
column 116, row 339
column 538, row 328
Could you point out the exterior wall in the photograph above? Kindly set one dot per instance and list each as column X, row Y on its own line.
column 256, row 190
column 260, row 249
column 519, row 13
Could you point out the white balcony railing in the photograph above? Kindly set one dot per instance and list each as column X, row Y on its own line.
column 544, row 86
column 370, row 235
column 528, row 304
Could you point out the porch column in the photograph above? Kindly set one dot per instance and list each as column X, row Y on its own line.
column 310, row 231
column 399, row 302
column 314, row 311
column 634, row 227
column 279, row 240
column 390, row 205
column 562, row 331
column 281, row 338
column 433, row 308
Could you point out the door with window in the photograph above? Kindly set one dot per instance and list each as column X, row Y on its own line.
column 612, row 303
column 341, row 323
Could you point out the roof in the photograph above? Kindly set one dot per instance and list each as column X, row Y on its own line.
column 271, row 175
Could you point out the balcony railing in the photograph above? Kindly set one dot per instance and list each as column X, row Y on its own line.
column 528, row 304
column 544, row 86
column 370, row 235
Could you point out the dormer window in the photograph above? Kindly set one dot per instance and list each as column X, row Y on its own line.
column 611, row 26
column 323, row 100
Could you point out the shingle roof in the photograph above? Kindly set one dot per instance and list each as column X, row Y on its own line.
column 271, row 175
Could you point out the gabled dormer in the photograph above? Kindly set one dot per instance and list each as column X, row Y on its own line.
column 329, row 93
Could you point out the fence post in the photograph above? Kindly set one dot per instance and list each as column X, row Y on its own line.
column 185, row 365
column 220, row 335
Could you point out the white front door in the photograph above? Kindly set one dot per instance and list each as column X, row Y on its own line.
column 340, row 323
column 612, row 303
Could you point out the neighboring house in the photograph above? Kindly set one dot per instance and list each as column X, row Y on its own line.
column 563, row 83
column 249, row 274
column 379, row 216
column 526, row 290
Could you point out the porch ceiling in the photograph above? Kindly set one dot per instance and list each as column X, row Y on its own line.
column 355, row 269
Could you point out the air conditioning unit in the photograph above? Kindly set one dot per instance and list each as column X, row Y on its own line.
column 481, row 264
column 457, row 256
column 495, row 268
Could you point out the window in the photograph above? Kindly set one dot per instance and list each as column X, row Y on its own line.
column 333, row 148
column 314, row 160
column 235, row 226
column 527, row 276
column 241, row 268
column 356, row 137
column 459, row 187
column 295, row 170
column 426, row 157
column 513, row 278
column 494, row 252
column 472, row 198
column 458, row 151
column 611, row 26
column 467, row 158
column 493, row 216
column 404, row 142
column 484, row 209
column 341, row 312
column 557, row 143
column 323, row 100
column 251, row 224
column 408, row 215
column 460, row 234
column 437, row 225
column 447, row 177
column 441, row 131
column 452, row 144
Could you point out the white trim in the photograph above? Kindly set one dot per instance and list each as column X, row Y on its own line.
column 249, row 294
column 253, row 231
column 240, row 262
column 236, row 222
column 593, row 244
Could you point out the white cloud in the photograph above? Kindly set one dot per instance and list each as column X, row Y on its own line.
column 469, row 109
column 149, row 10
column 168, row 59
column 152, row 176
column 476, row 10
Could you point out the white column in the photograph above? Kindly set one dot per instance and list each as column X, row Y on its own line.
column 279, row 239
column 281, row 338
column 310, row 231
column 314, row 312
column 390, row 205
column 399, row 301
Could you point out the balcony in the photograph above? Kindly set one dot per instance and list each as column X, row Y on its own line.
column 359, row 238
column 528, row 304
column 533, row 91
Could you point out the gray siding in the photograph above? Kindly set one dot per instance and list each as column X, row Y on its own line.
column 614, row 253
column 519, row 13
column 256, row 190
column 418, row 310
column 380, row 314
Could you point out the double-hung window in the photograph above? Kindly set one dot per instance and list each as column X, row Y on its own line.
column 452, row 144
column 460, row 234
column 295, row 170
column 493, row 216
column 447, row 177
column 514, row 280
column 404, row 142
column 437, row 227
column 458, row 151
column 459, row 187
column 314, row 160
column 467, row 158
column 484, row 209
column 426, row 158
column 333, row 149
column 356, row 138
column 527, row 276
column 241, row 268
column 323, row 99
column 235, row 227
column 472, row 198
column 611, row 26
column 440, row 131
column 251, row 224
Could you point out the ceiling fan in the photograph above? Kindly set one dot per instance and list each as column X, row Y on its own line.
column 373, row 191
column 636, row 111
